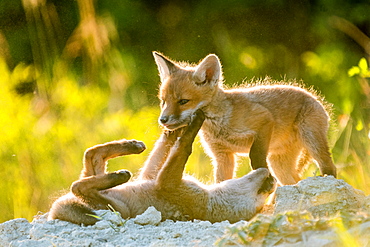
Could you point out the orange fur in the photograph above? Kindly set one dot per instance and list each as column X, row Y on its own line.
column 160, row 184
column 277, row 124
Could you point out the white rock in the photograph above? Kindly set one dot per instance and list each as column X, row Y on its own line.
column 113, row 217
column 150, row 217
column 322, row 196
column 14, row 229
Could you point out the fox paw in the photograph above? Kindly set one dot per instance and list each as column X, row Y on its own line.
column 134, row 146
column 120, row 177
column 198, row 115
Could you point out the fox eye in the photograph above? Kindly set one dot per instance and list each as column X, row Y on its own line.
column 183, row 101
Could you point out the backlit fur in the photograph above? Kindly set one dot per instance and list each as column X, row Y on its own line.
column 160, row 184
column 280, row 126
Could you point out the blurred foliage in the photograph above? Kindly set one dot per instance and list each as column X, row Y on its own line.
column 77, row 73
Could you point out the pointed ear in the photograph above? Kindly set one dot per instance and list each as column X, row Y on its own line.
column 208, row 71
column 165, row 66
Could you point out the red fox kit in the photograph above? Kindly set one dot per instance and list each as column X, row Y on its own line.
column 280, row 126
column 161, row 184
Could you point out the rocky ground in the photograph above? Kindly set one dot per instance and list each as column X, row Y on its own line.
column 319, row 197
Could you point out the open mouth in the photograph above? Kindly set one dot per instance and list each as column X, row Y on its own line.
column 268, row 185
column 174, row 126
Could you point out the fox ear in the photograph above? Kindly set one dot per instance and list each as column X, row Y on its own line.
column 208, row 71
column 165, row 66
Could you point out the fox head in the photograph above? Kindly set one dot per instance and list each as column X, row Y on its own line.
column 185, row 89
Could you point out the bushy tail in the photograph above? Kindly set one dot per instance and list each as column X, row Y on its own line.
column 70, row 208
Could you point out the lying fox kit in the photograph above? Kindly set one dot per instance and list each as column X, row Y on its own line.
column 281, row 126
column 160, row 184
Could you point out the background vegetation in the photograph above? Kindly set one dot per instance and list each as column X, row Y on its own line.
column 77, row 73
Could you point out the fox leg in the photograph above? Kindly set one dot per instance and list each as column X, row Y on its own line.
column 284, row 164
column 259, row 149
column 88, row 189
column 224, row 165
column 303, row 160
column 159, row 154
column 77, row 207
column 95, row 158
column 224, row 162
column 86, row 193
column 312, row 128
column 316, row 143
column 170, row 176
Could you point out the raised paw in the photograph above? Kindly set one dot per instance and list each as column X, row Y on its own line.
column 197, row 118
column 133, row 146
column 172, row 135
column 109, row 150
column 119, row 177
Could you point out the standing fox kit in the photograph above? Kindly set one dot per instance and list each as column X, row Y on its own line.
column 281, row 126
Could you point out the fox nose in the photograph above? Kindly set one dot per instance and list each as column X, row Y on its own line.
column 163, row 119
